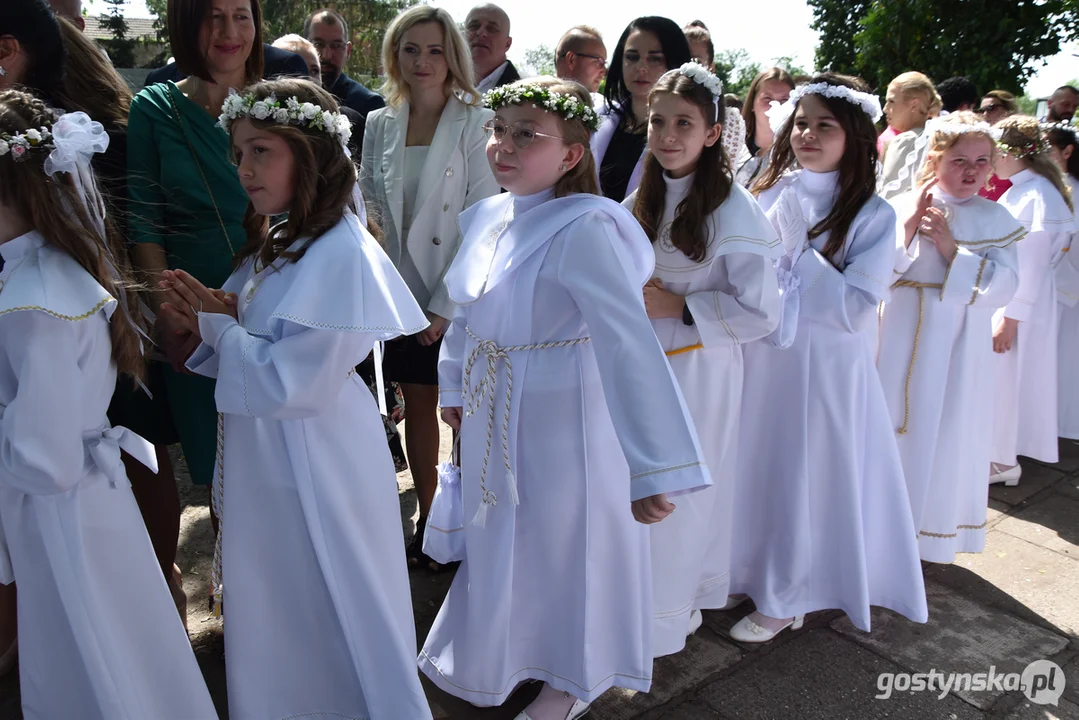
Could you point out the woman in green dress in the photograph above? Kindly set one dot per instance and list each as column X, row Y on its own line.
column 185, row 199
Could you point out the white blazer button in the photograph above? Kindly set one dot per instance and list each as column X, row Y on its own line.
column 449, row 172
column 436, row 241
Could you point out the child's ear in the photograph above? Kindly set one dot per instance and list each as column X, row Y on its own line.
column 713, row 135
column 573, row 155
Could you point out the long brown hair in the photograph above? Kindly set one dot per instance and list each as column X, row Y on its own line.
column 857, row 168
column 89, row 82
column 325, row 178
column 1023, row 131
column 711, row 181
column 748, row 115
column 54, row 208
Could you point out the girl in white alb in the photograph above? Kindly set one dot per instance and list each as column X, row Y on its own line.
column 99, row 637
column 569, row 416
column 714, row 289
column 1026, row 329
column 1064, row 150
column 956, row 263
column 311, row 560
column 821, row 515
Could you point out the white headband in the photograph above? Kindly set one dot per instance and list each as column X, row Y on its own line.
column 867, row 102
column 699, row 74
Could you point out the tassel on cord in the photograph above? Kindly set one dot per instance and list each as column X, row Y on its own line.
column 480, row 519
column 218, row 594
column 511, row 483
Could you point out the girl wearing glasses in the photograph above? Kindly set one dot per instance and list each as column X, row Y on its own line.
column 572, row 424
column 648, row 48
column 423, row 163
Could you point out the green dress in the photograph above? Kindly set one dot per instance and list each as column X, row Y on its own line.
column 179, row 169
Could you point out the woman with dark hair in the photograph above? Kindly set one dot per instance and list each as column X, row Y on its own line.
column 649, row 47
column 770, row 86
column 185, row 199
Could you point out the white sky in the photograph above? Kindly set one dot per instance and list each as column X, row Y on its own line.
column 786, row 32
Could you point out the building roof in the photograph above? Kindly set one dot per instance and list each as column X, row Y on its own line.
column 136, row 28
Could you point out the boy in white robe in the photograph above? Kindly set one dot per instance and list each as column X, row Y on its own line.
column 956, row 263
column 568, row 414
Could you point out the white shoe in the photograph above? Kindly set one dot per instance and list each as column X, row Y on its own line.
column 747, row 631
column 579, row 709
column 733, row 602
column 1009, row 477
column 696, row 619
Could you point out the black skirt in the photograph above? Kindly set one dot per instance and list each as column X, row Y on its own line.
column 408, row 362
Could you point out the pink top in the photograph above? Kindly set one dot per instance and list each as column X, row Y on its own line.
column 887, row 135
column 997, row 187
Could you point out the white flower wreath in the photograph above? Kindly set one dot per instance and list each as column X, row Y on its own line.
column 567, row 106
column 700, row 75
column 954, row 128
column 293, row 112
column 868, row 102
column 19, row 144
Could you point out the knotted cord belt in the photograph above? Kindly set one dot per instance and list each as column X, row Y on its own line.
column 921, row 287
column 485, row 389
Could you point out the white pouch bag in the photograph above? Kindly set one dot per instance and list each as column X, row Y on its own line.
column 444, row 538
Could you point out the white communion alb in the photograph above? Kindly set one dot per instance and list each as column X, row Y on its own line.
column 99, row 636
column 575, row 414
column 821, row 515
column 733, row 295
column 318, row 614
column 936, row 353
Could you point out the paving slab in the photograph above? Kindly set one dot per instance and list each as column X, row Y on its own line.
column 1029, row 711
column 962, row 636
column 1069, row 456
column 1049, row 521
column 1036, row 477
column 1020, row 577
column 821, row 674
column 705, row 654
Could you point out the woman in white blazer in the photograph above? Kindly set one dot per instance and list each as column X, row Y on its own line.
column 424, row 161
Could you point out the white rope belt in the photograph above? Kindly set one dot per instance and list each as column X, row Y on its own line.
column 485, row 389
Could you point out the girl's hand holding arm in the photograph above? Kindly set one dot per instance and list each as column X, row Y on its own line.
column 662, row 304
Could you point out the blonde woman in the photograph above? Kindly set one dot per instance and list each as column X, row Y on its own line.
column 910, row 101
column 423, row 163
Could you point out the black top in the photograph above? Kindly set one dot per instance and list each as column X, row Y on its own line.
column 509, row 75
column 275, row 62
column 354, row 95
column 621, row 158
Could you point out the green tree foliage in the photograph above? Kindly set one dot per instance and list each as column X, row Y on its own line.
column 997, row 44
column 736, row 70
column 540, row 60
column 121, row 48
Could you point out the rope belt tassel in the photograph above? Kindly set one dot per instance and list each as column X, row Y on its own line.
column 494, row 355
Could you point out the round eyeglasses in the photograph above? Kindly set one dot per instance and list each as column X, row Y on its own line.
column 522, row 133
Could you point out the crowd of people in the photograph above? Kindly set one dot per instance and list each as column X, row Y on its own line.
column 696, row 350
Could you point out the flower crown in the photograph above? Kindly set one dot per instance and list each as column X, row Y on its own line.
column 1048, row 127
column 568, row 106
column 1028, row 147
column 293, row 112
column 19, row 144
column 867, row 102
column 699, row 74
column 954, row 128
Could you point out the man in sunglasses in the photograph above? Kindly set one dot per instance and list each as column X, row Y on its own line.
column 580, row 55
